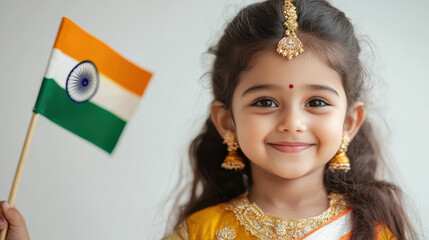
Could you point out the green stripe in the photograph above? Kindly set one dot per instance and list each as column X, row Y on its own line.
column 86, row 120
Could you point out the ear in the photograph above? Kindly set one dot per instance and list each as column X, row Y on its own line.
column 354, row 119
column 221, row 118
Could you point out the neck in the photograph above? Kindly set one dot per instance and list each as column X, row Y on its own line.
column 297, row 198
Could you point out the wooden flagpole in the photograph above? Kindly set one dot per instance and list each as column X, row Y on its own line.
column 20, row 168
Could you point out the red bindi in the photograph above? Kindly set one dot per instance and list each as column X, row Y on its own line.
column 290, row 85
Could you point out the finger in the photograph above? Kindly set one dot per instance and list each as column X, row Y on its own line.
column 13, row 216
column 3, row 221
column 15, row 220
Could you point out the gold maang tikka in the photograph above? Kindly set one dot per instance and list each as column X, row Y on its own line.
column 290, row 45
column 340, row 161
column 232, row 161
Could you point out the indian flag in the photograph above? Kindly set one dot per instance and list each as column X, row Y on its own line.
column 88, row 88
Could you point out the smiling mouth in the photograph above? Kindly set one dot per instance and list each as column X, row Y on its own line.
column 292, row 147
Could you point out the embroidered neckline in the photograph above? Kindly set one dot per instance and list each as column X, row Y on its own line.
column 265, row 226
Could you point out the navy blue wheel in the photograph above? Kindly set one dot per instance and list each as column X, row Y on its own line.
column 82, row 82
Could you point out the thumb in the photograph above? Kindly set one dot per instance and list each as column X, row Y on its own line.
column 13, row 216
column 15, row 220
column 17, row 228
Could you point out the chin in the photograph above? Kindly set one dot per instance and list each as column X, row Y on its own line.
column 288, row 170
column 295, row 172
column 291, row 174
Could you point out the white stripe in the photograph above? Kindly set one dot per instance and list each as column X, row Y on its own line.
column 110, row 95
column 334, row 230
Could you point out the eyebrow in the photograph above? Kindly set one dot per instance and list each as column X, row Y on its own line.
column 259, row 88
column 322, row 87
column 271, row 87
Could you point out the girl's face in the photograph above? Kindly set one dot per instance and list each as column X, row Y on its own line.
column 289, row 114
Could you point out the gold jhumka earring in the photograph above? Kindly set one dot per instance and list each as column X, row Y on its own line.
column 232, row 161
column 290, row 45
column 340, row 161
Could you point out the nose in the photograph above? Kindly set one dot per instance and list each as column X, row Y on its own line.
column 291, row 120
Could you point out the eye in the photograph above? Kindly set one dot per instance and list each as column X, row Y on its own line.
column 265, row 102
column 317, row 102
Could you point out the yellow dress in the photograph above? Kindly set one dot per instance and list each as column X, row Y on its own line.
column 241, row 219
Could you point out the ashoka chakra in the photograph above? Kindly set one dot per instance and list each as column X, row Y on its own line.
column 82, row 82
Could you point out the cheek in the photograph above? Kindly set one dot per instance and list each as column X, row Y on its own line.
column 331, row 124
column 251, row 130
column 330, row 134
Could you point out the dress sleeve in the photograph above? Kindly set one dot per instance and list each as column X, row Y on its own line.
column 383, row 233
column 180, row 233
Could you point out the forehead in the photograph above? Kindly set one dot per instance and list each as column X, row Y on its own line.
column 305, row 69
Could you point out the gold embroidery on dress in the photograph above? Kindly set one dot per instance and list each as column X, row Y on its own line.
column 226, row 233
column 265, row 226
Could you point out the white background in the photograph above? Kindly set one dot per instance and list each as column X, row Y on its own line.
column 73, row 190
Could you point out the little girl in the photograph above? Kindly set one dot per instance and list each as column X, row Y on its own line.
column 300, row 158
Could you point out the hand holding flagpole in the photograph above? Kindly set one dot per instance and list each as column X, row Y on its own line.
column 20, row 168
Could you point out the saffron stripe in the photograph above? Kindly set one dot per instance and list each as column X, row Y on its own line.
column 348, row 236
column 86, row 120
column 80, row 45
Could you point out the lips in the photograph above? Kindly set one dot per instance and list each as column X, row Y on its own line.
column 290, row 147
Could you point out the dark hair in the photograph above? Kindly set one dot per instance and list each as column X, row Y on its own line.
column 327, row 32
